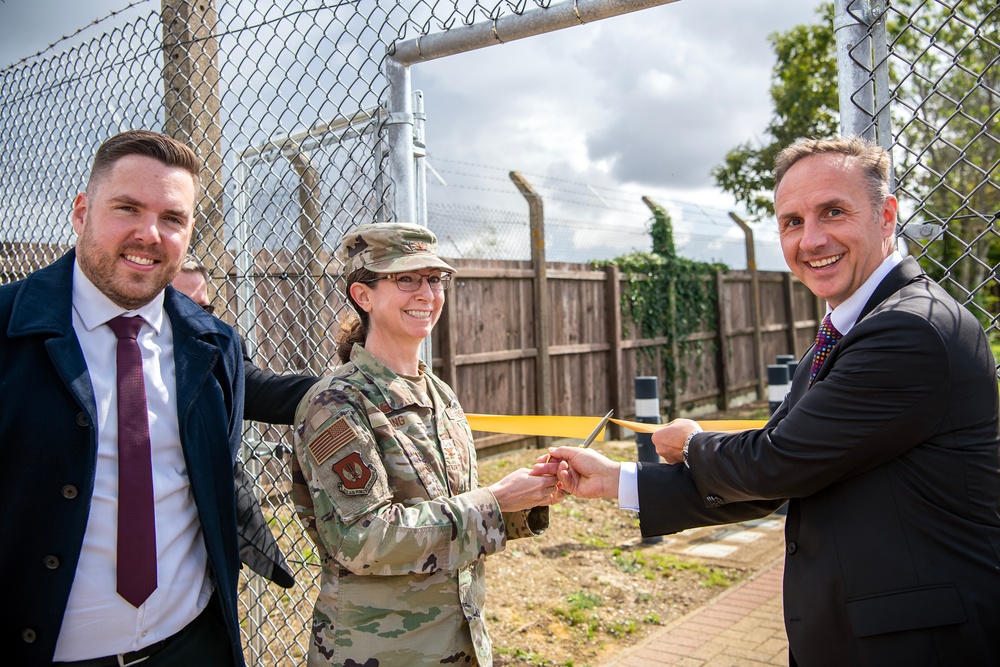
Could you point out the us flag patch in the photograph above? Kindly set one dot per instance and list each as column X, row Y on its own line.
column 335, row 436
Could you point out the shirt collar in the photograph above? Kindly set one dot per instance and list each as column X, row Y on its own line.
column 845, row 316
column 95, row 308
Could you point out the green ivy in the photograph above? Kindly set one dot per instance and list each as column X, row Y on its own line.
column 653, row 277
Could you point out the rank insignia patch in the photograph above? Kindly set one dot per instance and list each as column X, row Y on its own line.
column 338, row 434
column 356, row 476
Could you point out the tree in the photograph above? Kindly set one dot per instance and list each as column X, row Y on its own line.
column 945, row 99
column 804, row 92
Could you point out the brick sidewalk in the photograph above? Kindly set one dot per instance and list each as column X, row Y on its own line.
column 742, row 627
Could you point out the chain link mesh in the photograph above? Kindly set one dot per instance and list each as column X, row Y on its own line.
column 283, row 102
column 944, row 69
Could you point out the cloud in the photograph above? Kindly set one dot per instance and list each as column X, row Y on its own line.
column 654, row 98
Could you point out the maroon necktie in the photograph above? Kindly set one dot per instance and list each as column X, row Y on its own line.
column 826, row 338
column 136, row 528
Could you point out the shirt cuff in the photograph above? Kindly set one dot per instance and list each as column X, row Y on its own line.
column 628, row 487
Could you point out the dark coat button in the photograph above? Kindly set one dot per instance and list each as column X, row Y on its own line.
column 791, row 547
column 28, row 635
column 81, row 419
column 69, row 491
column 51, row 562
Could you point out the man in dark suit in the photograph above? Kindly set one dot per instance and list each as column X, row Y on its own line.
column 270, row 398
column 887, row 448
column 80, row 589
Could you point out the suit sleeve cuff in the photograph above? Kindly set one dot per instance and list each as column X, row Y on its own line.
column 628, row 487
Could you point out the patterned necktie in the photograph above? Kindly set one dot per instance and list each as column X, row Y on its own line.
column 136, row 529
column 826, row 338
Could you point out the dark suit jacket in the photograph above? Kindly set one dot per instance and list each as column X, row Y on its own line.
column 890, row 461
column 272, row 399
column 50, row 443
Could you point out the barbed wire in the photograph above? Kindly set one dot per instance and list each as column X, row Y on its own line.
column 93, row 23
column 624, row 195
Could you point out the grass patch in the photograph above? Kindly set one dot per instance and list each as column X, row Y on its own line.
column 579, row 612
column 527, row 657
column 651, row 565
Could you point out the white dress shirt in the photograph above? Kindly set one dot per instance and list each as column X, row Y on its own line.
column 844, row 317
column 98, row 622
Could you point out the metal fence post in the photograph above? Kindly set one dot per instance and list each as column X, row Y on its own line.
column 191, row 111
column 543, row 364
column 755, row 312
column 777, row 385
column 647, row 411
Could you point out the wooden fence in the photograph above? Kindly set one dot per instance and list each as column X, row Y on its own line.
column 487, row 345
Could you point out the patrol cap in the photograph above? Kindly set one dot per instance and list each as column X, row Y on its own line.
column 390, row 247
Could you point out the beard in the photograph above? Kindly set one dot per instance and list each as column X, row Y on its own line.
column 128, row 289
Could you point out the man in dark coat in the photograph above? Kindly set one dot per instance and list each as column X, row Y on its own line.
column 270, row 398
column 887, row 448
column 75, row 593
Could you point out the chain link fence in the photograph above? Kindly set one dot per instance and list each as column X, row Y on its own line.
column 926, row 81
column 286, row 102
column 944, row 69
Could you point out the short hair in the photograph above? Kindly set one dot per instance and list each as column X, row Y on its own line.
column 192, row 264
column 873, row 159
column 148, row 144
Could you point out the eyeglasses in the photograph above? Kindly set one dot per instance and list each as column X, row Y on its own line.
column 411, row 282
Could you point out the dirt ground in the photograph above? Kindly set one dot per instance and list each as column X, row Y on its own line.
column 574, row 596
column 588, row 587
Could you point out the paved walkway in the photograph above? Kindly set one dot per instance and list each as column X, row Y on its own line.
column 742, row 627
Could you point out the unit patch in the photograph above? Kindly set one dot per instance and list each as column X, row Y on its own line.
column 356, row 476
column 338, row 434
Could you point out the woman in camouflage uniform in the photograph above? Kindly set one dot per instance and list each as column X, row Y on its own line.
column 385, row 476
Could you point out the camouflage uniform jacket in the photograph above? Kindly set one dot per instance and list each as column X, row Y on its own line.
column 385, row 482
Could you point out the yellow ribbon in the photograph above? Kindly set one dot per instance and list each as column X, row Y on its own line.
column 581, row 427
column 558, row 427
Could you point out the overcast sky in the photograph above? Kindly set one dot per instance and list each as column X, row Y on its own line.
column 656, row 97
column 645, row 103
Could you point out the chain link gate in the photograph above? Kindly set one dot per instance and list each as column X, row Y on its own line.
column 289, row 105
column 923, row 78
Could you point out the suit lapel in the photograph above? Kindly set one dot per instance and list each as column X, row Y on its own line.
column 902, row 274
column 194, row 360
column 44, row 308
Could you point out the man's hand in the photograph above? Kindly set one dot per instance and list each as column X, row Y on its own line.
column 522, row 490
column 669, row 440
column 581, row 472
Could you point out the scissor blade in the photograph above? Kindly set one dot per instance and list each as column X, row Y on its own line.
column 593, row 436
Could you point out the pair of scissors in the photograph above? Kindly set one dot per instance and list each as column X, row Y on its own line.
column 589, row 441
column 600, row 425
column 593, row 435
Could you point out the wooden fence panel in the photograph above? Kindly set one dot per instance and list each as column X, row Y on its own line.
column 809, row 313
column 774, row 308
column 741, row 366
